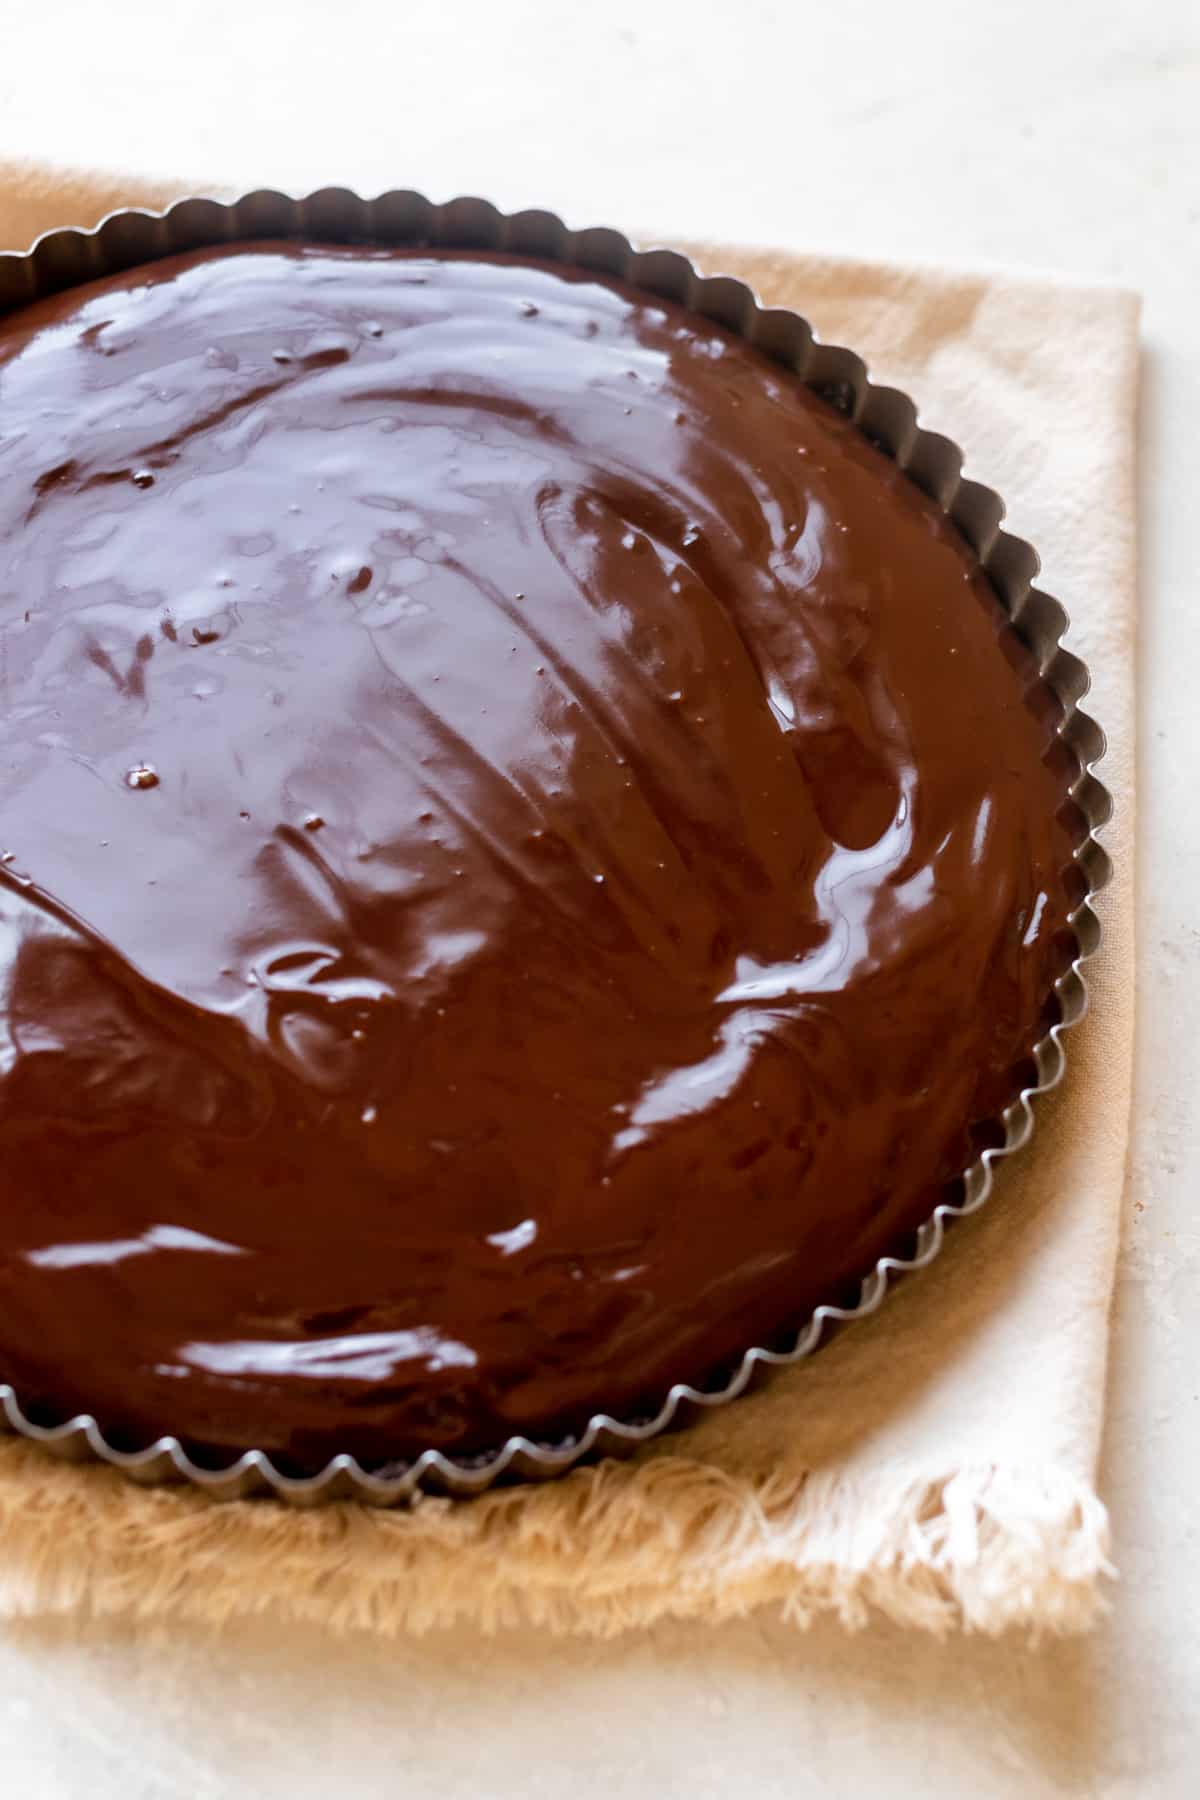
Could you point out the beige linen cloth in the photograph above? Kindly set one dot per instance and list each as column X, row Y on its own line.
column 936, row 1463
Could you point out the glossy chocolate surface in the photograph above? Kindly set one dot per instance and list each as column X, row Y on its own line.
column 528, row 848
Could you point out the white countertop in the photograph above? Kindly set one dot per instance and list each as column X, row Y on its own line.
column 1051, row 133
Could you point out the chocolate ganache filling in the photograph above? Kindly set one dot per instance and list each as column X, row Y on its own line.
column 531, row 853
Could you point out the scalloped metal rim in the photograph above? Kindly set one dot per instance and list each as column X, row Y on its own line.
column 129, row 237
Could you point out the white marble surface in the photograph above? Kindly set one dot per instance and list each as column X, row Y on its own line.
column 1052, row 133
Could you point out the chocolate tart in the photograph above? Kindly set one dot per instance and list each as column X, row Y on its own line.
column 545, row 832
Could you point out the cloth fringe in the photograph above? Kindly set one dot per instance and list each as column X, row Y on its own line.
column 983, row 1548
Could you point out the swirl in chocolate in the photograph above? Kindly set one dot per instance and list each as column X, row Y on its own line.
column 529, row 847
